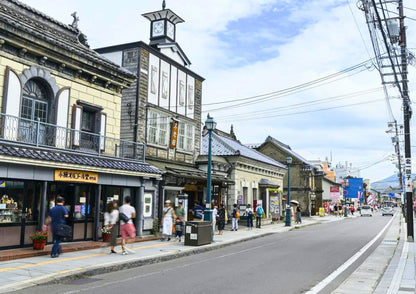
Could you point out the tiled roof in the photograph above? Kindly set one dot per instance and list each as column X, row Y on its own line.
column 287, row 149
column 73, row 158
column 223, row 146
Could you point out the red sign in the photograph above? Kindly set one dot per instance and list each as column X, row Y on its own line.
column 174, row 134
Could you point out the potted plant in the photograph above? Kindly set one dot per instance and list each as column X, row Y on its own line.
column 39, row 239
column 106, row 234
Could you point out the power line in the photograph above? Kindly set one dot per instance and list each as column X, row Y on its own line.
column 303, row 112
column 293, row 88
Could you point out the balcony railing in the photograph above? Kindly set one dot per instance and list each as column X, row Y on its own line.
column 41, row 134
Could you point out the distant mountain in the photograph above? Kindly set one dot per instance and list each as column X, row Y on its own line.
column 392, row 181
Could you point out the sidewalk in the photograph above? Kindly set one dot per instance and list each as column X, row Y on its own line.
column 390, row 269
column 27, row 272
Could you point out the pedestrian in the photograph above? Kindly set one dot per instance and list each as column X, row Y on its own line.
column 167, row 221
column 352, row 209
column 198, row 212
column 331, row 208
column 236, row 216
column 298, row 214
column 110, row 223
column 56, row 217
column 126, row 214
column 249, row 213
column 214, row 217
column 340, row 210
column 259, row 215
column 221, row 219
column 178, row 229
column 180, row 211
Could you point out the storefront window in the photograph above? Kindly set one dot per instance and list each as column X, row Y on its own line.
column 19, row 199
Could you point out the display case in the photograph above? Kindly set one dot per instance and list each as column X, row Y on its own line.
column 8, row 210
column 8, row 215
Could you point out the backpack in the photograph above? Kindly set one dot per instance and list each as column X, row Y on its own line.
column 250, row 213
column 237, row 214
column 259, row 210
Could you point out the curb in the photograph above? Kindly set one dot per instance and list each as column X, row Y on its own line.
column 79, row 273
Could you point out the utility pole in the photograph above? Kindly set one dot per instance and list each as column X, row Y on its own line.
column 406, row 117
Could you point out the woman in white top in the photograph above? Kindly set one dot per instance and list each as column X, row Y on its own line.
column 110, row 222
column 167, row 220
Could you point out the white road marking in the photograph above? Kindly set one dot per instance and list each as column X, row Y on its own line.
column 321, row 285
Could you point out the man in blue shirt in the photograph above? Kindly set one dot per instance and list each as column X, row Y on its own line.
column 57, row 216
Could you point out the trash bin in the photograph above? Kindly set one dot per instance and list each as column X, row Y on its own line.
column 197, row 233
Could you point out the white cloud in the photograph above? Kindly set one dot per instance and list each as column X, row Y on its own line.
column 330, row 42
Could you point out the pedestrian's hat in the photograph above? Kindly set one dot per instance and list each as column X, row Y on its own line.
column 168, row 201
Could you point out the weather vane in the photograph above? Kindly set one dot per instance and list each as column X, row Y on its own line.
column 163, row 5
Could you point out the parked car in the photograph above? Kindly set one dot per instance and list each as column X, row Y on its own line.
column 387, row 210
column 366, row 210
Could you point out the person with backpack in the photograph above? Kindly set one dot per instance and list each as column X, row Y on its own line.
column 259, row 215
column 127, row 228
column 236, row 217
column 57, row 217
column 249, row 213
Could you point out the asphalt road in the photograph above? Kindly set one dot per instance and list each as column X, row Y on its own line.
column 291, row 262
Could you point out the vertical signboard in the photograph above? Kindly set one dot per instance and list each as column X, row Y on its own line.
column 334, row 192
column 174, row 134
column 408, row 175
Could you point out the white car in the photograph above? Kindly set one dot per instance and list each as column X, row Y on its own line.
column 366, row 210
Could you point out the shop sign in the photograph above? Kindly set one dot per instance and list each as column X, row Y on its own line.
column 334, row 192
column 75, row 176
column 174, row 134
column 2, row 184
column 408, row 175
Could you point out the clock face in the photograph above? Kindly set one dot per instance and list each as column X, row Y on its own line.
column 171, row 30
column 158, row 28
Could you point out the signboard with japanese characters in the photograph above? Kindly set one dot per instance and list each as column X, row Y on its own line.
column 174, row 134
column 334, row 192
column 75, row 176
column 408, row 175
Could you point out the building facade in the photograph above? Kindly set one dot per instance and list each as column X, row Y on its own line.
column 302, row 174
column 60, row 130
column 163, row 107
column 254, row 178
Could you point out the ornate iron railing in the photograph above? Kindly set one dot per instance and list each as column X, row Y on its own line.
column 42, row 134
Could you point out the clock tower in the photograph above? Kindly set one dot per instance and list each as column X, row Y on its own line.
column 162, row 25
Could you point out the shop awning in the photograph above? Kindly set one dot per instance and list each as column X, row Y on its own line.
column 268, row 183
column 195, row 174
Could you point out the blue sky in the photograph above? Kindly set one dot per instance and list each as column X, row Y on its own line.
column 246, row 48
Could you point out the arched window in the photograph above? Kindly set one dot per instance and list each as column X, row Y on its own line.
column 35, row 101
column 34, row 113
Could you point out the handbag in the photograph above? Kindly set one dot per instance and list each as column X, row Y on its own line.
column 124, row 217
column 62, row 231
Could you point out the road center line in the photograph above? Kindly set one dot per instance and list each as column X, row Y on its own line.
column 325, row 282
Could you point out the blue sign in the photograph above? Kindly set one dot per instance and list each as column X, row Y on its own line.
column 391, row 195
column 355, row 187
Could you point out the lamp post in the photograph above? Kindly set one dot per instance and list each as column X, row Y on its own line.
column 288, row 213
column 210, row 124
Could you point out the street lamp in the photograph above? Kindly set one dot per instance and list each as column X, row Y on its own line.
column 288, row 213
column 210, row 124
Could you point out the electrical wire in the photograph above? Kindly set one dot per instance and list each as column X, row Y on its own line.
column 304, row 112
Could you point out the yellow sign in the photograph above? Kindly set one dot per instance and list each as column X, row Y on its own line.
column 321, row 211
column 174, row 134
column 75, row 176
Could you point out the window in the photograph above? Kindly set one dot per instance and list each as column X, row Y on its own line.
column 130, row 57
column 186, row 137
column 254, row 193
column 245, row 195
column 157, row 128
column 87, row 122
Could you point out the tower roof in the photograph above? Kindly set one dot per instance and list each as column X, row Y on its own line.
column 164, row 14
